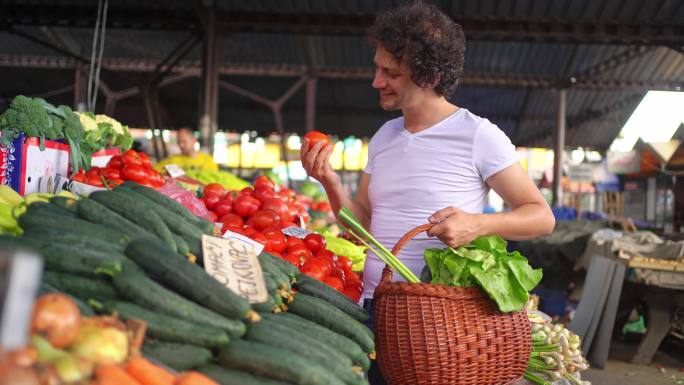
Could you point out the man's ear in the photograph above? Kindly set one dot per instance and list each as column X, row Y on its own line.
column 434, row 83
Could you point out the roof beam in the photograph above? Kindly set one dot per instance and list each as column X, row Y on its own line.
column 329, row 23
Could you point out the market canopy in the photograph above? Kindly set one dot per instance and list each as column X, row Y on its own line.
column 607, row 54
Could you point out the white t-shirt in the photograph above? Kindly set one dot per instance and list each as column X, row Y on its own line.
column 414, row 175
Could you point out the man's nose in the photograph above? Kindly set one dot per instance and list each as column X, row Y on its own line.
column 378, row 80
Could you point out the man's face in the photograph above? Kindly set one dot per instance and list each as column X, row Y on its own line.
column 186, row 142
column 393, row 81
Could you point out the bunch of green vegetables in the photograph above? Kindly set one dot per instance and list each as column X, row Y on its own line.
column 556, row 354
column 101, row 132
column 505, row 276
column 37, row 118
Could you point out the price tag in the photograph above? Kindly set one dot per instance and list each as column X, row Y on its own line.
column 295, row 231
column 174, row 171
column 232, row 260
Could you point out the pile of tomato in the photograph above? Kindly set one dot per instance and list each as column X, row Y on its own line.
column 131, row 166
column 261, row 213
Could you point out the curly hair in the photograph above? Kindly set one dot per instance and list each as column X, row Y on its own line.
column 426, row 39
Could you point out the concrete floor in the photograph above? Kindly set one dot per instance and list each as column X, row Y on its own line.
column 618, row 370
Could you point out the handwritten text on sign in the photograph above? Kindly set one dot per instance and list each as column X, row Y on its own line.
column 233, row 262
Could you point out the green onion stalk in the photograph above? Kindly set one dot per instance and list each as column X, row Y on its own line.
column 360, row 233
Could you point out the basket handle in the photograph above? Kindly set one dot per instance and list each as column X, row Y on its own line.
column 387, row 271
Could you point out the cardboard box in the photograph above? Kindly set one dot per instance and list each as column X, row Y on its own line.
column 22, row 163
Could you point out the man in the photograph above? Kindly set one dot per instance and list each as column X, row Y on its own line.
column 189, row 157
column 438, row 161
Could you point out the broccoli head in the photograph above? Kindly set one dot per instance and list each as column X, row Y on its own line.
column 25, row 115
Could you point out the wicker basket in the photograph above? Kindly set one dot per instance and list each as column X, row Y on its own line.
column 442, row 335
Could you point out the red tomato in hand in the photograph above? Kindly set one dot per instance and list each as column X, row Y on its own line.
column 316, row 136
column 214, row 188
column 245, row 206
column 133, row 172
column 115, row 162
column 265, row 218
column 315, row 242
column 263, row 181
column 223, row 207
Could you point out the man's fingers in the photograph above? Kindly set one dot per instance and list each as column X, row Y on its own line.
column 439, row 215
column 437, row 230
column 322, row 159
column 313, row 154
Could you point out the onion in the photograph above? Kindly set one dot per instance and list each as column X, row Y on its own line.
column 56, row 317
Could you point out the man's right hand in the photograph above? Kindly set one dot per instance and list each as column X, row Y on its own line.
column 316, row 162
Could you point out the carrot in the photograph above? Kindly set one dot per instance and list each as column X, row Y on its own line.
column 195, row 378
column 113, row 375
column 148, row 373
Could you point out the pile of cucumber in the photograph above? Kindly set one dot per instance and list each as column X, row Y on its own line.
column 130, row 251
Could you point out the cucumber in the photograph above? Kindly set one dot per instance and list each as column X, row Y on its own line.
column 280, row 279
column 323, row 334
column 80, row 261
column 96, row 212
column 286, row 267
column 277, row 363
column 186, row 278
column 318, row 289
column 172, row 205
column 177, row 356
column 135, row 286
column 325, row 314
column 167, row 328
column 225, row 376
column 47, row 235
column 175, row 222
column 136, row 211
column 72, row 225
column 270, row 306
column 80, row 287
column 66, row 202
column 181, row 245
column 11, row 242
column 39, row 208
column 273, row 334
column 86, row 311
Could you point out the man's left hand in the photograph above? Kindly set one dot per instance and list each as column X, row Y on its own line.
column 455, row 227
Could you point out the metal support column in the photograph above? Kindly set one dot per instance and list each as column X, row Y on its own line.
column 147, row 94
column 208, row 115
column 558, row 148
column 79, row 88
column 310, row 122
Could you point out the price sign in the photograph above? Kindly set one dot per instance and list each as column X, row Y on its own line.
column 295, row 231
column 232, row 260
column 174, row 170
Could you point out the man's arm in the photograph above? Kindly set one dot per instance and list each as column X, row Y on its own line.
column 316, row 162
column 530, row 215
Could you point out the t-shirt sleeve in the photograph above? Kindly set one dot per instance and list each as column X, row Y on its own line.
column 492, row 149
column 369, row 162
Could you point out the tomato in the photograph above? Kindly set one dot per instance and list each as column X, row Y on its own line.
column 293, row 259
column 279, row 207
column 265, row 218
column 294, row 211
column 133, row 172
column 247, row 191
column 131, row 157
column 264, row 194
column 214, row 188
column 147, row 183
column 93, row 171
column 276, row 240
column 78, row 178
column 115, row 162
column 323, row 206
column 116, row 181
column 344, row 264
column 353, row 292
column 245, row 206
column 212, row 216
column 354, row 278
column 211, row 200
column 263, row 181
column 145, row 160
column 232, row 221
column 315, row 242
column 317, row 268
column 259, row 237
column 316, row 136
column 303, row 214
column 286, row 224
column 300, row 251
column 292, row 241
column 111, row 173
column 56, row 317
column 327, row 255
column 94, row 180
column 223, row 207
column 335, row 283
column 286, row 194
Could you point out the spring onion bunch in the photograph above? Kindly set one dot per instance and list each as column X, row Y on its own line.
column 359, row 232
column 556, row 354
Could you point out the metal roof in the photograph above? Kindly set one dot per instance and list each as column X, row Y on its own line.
column 607, row 53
